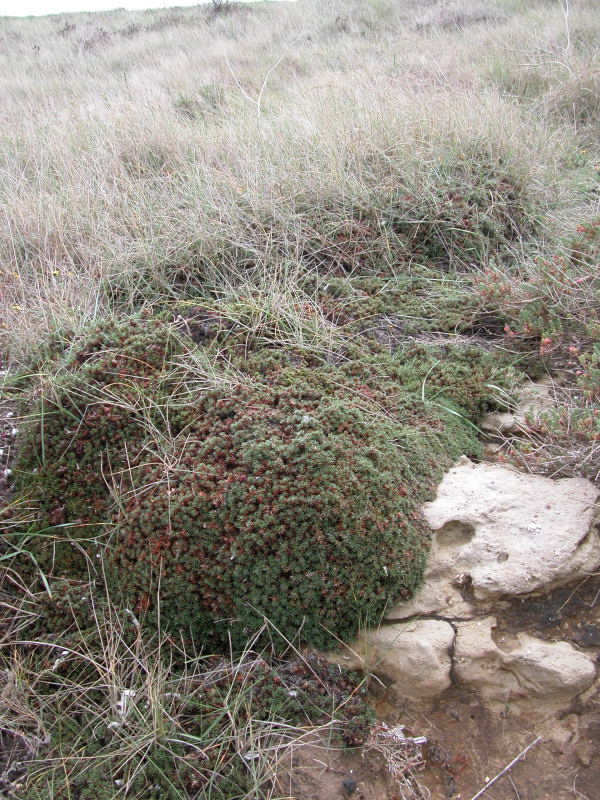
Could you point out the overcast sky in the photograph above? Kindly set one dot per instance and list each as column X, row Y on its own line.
column 25, row 8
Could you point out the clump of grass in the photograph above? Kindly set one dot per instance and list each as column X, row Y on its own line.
column 107, row 708
column 555, row 72
column 553, row 302
column 552, row 308
column 576, row 99
column 561, row 443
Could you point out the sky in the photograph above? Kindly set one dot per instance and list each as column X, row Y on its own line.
column 25, row 8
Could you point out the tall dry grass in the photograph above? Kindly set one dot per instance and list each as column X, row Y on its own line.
column 225, row 146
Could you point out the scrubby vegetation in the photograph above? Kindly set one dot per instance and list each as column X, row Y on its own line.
column 262, row 273
column 554, row 307
column 114, row 711
column 291, row 493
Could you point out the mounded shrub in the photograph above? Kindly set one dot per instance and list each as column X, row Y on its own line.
column 292, row 495
column 90, row 415
column 278, row 500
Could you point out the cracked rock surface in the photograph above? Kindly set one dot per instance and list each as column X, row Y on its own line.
column 500, row 532
column 522, row 667
column 499, row 536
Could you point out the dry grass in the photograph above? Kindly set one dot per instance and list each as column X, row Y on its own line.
column 144, row 698
column 132, row 150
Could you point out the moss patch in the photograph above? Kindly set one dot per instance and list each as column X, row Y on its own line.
column 289, row 491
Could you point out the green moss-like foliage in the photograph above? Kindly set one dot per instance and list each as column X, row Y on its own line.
column 278, row 501
column 410, row 303
column 291, row 493
column 479, row 204
column 90, row 416
column 314, row 477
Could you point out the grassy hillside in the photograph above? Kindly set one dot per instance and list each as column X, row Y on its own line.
column 146, row 147
column 263, row 268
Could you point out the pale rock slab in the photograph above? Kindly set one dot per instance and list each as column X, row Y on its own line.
column 477, row 658
column 437, row 596
column 534, row 398
column 525, row 668
column 503, row 533
column 498, row 423
column 544, row 668
column 413, row 659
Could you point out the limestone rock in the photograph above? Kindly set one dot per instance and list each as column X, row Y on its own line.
column 412, row 659
column 526, row 668
column 477, row 658
column 533, row 399
column 503, row 533
column 497, row 422
column 437, row 596
column 548, row 668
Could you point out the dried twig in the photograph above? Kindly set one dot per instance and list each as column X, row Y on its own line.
column 403, row 757
column 508, row 767
column 258, row 101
